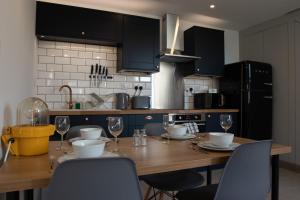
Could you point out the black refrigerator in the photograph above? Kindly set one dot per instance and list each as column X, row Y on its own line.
column 247, row 85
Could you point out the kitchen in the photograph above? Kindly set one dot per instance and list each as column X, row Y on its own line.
column 56, row 61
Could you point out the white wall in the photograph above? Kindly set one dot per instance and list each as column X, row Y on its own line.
column 17, row 39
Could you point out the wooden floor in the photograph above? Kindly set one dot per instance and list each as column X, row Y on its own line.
column 289, row 184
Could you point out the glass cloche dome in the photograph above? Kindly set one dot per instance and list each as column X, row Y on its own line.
column 32, row 111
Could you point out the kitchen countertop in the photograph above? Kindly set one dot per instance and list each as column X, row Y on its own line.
column 135, row 111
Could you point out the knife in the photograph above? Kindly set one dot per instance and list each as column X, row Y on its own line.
column 91, row 75
column 95, row 76
column 102, row 73
column 106, row 73
column 99, row 74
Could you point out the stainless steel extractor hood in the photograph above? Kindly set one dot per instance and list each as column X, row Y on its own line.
column 171, row 42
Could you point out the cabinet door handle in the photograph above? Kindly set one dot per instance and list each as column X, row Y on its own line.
column 208, row 116
column 149, row 117
column 268, row 84
column 268, row 97
column 86, row 119
column 82, row 33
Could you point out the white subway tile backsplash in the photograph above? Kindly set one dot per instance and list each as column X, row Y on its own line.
column 54, row 68
column 99, row 56
column 45, row 75
column 70, row 53
column 42, row 52
column 113, row 85
column 70, row 68
column 54, row 52
column 84, row 54
column 84, row 84
column 107, row 49
column 78, row 90
column 62, row 45
column 148, row 86
column 132, row 79
column 119, row 78
column 62, row 75
column 46, row 59
column 53, row 98
column 40, row 82
column 92, row 90
column 84, row 68
column 91, row 61
column 71, row 83
column 41, row 67
column 45, row 90
column 145, row 79
column 78, row 76
column 53, row 82
column 62, row 60
column 46, row 44
column 77, row 61
column 94, row 48
column 75, row 46
column 106, row 91
column 111, row 56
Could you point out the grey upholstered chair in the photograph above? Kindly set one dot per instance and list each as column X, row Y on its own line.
column 246, row 176
column 96, row 178
column 170, row 181
column 75, row 131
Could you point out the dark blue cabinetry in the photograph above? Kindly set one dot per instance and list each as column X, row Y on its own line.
column 213, row 123
column 139, row 121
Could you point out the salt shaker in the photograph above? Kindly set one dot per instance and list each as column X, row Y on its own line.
column 143, row 137
column 136, row 138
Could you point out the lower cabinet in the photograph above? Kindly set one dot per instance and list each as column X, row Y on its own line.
column 131, row 122
column 213, row 123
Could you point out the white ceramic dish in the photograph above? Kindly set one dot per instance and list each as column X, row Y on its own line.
column 181, row 137
column 90, row 133
column 209, row 146
column 221, row 139
column 104, row 139
column 88, row 148
column 177, row 130
column 72, row 155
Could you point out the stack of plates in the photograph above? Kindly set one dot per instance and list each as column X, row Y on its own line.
column 210, row 146
column 177, row 137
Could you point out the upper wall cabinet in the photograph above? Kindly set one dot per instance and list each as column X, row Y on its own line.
column 68, row 23
column 140, row 47
column 209, row 45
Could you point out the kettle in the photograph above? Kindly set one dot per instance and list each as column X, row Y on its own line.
column 122, row 101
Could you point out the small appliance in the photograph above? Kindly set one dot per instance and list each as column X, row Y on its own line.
column 208, row 100
column 141, row 102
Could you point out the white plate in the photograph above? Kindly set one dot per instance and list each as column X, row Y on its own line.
column 72, row 155
column 210, row 146
column 184, row 137
column 105, row 139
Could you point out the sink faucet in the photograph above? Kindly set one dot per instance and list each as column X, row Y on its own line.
column 70, row 103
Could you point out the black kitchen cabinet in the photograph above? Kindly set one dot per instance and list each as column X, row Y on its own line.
column 75, row 24
column 100, row 120
column 140, row 45
column 139, row 121
column 209, row 45
column 213, row 123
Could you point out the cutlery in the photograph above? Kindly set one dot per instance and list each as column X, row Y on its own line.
column 99, row 74
column 95, row 76
column 91, row 75
column 106, row 73
column 136, row 89
column 102, row 73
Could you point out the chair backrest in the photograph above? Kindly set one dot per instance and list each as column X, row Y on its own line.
column 154, row 129
column 89, row 179
column 74, row 131
column 247, row 173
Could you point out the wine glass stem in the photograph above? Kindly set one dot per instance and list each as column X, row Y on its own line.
column 61, row 142
column 116, row 142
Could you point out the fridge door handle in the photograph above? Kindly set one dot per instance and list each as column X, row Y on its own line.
column 270, row 84
column 268, row 97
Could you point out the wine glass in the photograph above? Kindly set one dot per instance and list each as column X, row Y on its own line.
column 225, row 121
column 168, row 120
column 62, row 125
column 115, row 127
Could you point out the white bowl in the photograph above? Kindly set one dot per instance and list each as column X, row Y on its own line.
column 90, row 133
column 177, row 130
column 221, row 139
column 88, row 148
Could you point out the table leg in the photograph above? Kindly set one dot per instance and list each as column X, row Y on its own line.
column 208, row 175
column 275, row 177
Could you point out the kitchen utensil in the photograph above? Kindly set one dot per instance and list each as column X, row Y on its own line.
column 99, row 74
column 141, row 102
column 91, row 75
column 90, row 133
column 220, row 139
column 140, row 89
column 102, row 73
column 106, row 73
column 122, row 100
column 136, row 89
column 95, row 75
column 10, row 141
column 88, row 148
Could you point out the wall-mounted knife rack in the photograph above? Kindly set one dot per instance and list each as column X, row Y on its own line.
column 98, row 74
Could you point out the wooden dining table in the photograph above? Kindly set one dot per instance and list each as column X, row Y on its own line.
column 32, row 172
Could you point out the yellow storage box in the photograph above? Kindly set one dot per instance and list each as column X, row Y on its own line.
column 28, row 140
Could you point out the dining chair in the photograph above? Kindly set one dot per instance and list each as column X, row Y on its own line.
column 246, row 176
column 169, row 182
column 94, row 178
column 75, row 131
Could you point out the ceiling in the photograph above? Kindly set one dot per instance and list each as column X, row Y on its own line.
column 227, row 14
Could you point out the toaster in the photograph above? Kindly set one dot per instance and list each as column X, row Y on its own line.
column 140, row 102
